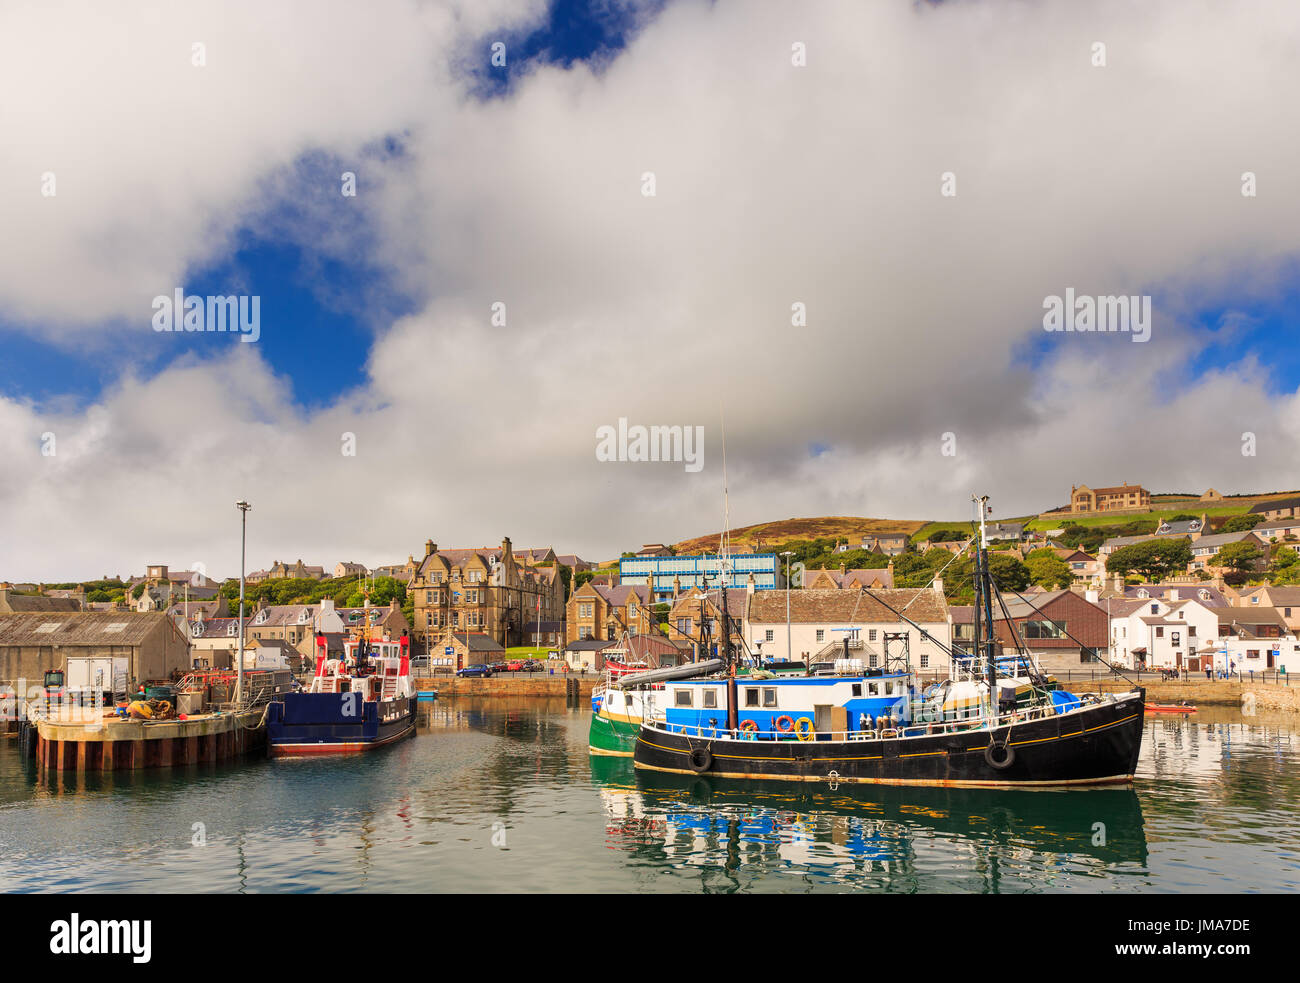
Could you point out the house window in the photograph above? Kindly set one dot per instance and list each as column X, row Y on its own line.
column 871, row 635
column 925, row 660
column 871, row 660
column 584, row 632
column 770, row 635
column 684, row 625
column 685, row 698
column 821, row 634
column 1160, row 632
column 584, row 610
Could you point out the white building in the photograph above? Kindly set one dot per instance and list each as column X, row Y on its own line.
column 821, row 620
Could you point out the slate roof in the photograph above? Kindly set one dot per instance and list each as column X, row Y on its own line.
column 1280, row 503
column 618, row 596
column 40, row 602
column 80, row 628
column 847, row 606
column 851, row 578
column 588, row 645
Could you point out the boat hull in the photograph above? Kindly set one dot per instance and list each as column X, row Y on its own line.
column 1095, row 745
column 320, row 723
column 608, row 735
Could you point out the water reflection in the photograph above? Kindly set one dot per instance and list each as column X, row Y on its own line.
column 872, row 834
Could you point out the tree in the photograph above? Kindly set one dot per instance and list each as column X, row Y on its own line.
column 1241, row 557
column 1153, row 558
column 1047, row 569
column 1242, row 523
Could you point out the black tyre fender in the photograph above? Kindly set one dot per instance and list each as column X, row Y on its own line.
column 700, row 759
column 1000, row 756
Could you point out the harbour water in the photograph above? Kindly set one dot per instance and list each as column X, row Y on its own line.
column 502, row 796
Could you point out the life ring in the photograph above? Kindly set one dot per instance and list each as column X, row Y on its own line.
column 804, row 733
column 1000, row 763
column 749, row 726
column 784, row 723
column 701, row 758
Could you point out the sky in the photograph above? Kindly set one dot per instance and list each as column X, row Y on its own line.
column 824, row 233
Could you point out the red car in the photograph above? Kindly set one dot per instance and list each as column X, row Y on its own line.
column 515, row 665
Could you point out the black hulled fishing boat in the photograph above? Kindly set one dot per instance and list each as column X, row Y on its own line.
column 980, row 728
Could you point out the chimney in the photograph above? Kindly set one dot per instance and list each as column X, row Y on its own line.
column 677, row 586
column 938, row 586
column 430, row 547
column 1173, row 594
column 749, row 584
column 843, row 569
column 1091, row 596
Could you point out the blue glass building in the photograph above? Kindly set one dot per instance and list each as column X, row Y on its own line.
column 701, row 572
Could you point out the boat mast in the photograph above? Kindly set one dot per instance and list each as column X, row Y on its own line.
column 983, row 596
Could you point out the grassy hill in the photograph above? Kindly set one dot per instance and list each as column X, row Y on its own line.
column 849, row 527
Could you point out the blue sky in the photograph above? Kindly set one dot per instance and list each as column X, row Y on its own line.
column 781, row 181
column 325, row 308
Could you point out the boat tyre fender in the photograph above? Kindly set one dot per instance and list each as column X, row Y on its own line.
column 700, row 759
column 784, row 723
column 1000, row 756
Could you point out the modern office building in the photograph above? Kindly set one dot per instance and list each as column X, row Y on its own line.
column 666, row 574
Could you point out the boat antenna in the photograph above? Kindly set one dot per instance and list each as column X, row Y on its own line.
column 982, row 594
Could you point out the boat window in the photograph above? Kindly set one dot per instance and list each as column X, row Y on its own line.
column 889, row 689
column 685, row 698
column 769, row 696
column 857, row 689
column 873, row 689
column 751, row 697
column 710, row 698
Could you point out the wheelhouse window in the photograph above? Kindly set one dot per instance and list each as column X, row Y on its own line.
column 710, row 698
column 751, row 697
column 685, row 697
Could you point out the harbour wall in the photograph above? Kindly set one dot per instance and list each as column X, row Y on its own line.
column 573, row 687
column 1218, row 692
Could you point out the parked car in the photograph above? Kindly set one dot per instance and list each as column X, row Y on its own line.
column 532, row 665
column 475, row 670
column 499, row 667
column 515, row 665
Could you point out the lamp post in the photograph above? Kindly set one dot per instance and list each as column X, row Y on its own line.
column 243, row 528
column 789, row 653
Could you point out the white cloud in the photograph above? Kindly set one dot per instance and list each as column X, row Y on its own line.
column 775, row 184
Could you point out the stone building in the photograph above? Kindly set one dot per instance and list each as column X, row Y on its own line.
column 485, row 591
column 31, row 643
column 606, row 613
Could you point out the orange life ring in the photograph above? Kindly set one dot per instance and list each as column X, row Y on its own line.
column 784, row 723
column 749, row 725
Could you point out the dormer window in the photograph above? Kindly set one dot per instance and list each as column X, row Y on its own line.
column 261, row 618
column 304, row 616
column 232, row 629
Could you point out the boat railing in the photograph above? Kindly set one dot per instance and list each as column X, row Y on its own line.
column 902, row 730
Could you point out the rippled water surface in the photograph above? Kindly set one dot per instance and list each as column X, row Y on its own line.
column 498, row 796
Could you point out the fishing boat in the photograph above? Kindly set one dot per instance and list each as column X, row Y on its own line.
column 360, row 702
column 998, row 721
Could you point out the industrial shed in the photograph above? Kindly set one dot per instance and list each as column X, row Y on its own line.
column 30, row 643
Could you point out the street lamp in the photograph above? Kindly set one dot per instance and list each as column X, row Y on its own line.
column 243, row 528
column 789, row 653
